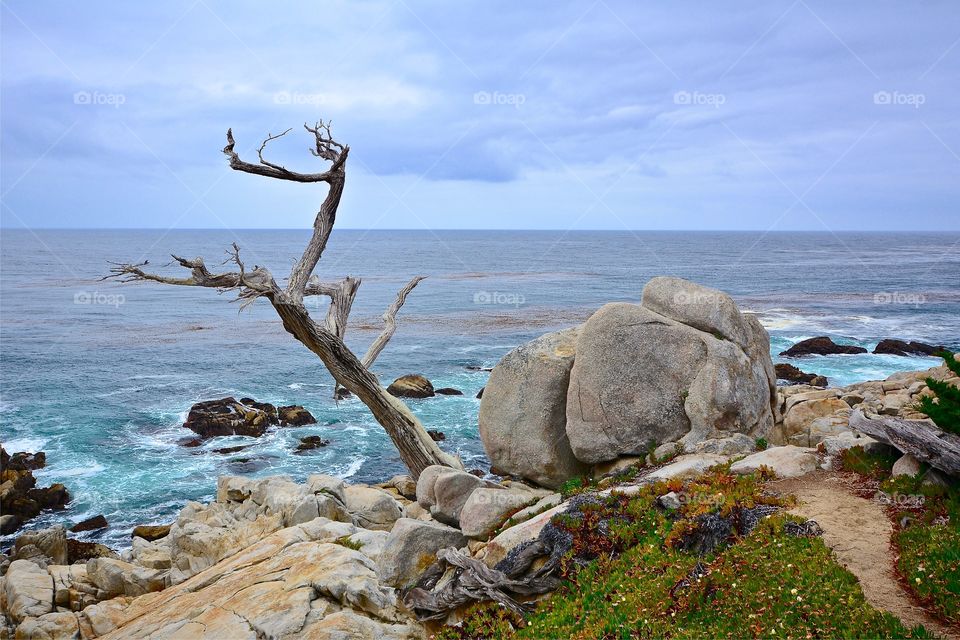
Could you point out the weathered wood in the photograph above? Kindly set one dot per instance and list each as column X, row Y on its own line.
column 924, row 441
column 417, row 449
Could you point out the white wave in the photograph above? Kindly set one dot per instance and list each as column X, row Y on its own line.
column 8, row 407
column 295, row 386
column 30, row 445
column 79, row 472
column 351, row 469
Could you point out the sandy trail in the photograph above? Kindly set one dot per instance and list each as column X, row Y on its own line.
column 858, row 531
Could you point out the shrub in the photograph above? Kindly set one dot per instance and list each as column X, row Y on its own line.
column 944, row 408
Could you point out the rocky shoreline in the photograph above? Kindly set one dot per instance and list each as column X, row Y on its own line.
column 639, row 394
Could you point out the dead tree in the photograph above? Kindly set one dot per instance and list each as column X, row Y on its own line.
column 922, row 439
column 417, row 449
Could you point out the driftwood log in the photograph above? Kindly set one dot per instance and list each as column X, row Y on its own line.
column 417, row 449
column 924, row 441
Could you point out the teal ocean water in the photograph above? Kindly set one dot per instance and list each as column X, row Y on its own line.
column 100, row 375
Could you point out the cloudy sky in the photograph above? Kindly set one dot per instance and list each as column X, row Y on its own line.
column 597, row 115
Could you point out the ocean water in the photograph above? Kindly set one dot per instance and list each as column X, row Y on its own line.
column 100, row 374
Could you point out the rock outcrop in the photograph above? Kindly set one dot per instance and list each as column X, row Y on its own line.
column 820, row 346
column 244, row 417
column 20, row 498
column 894, row 347
column 790, row 373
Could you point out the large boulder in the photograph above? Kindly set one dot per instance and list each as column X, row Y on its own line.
column 118, row 578
column 451, row 491
column 412, row 547
column 895, row 347
column 523, row 412
column 681, row 366
column 28, row 590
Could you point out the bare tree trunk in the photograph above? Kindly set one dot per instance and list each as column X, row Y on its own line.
column 924, row 441
column 416, row 448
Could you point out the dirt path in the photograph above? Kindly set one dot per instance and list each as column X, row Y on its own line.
column 858, row 531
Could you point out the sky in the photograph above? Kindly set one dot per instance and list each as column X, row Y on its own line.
column 776, row 115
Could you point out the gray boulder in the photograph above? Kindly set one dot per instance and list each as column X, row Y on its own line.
column 486, row 509
column 412, row 547
column 523, row 411
column 451, row 491
column 684, row 365
column 372, row 508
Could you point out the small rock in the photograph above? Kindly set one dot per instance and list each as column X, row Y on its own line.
column 791, row 373
column 90, row 524
column 295, row 415
column 436, row 436
column 934, row 478
column 670, row 501
column 405, row 485
column 311, row 442
column 228, row 450
column 907, row 465
column 448, row 391
column 480, row 393
column 411, row 386
column 151, row 532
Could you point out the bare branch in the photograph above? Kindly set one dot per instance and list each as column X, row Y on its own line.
column 389, row 323
column 270, row 137
column 267, row 169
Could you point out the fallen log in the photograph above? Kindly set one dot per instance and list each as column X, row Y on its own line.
column 924, row 441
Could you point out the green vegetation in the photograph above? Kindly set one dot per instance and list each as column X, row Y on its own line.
column 345, row 541
column 944, row 408
column 876, row 466
column 641, row 582
column 762, row 444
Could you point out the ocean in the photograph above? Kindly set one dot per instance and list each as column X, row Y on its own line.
column 100, row 375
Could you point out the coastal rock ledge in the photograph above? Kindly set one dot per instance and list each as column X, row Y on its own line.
column 684, row 365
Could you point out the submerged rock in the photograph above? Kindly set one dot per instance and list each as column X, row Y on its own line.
column 308, row 443
column 820, row 346
column 411, row 386
column 448, row 391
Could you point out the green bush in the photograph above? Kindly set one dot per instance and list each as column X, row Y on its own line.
column 944, row 408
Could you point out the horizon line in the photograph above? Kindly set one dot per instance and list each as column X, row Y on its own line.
column 434, row 229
